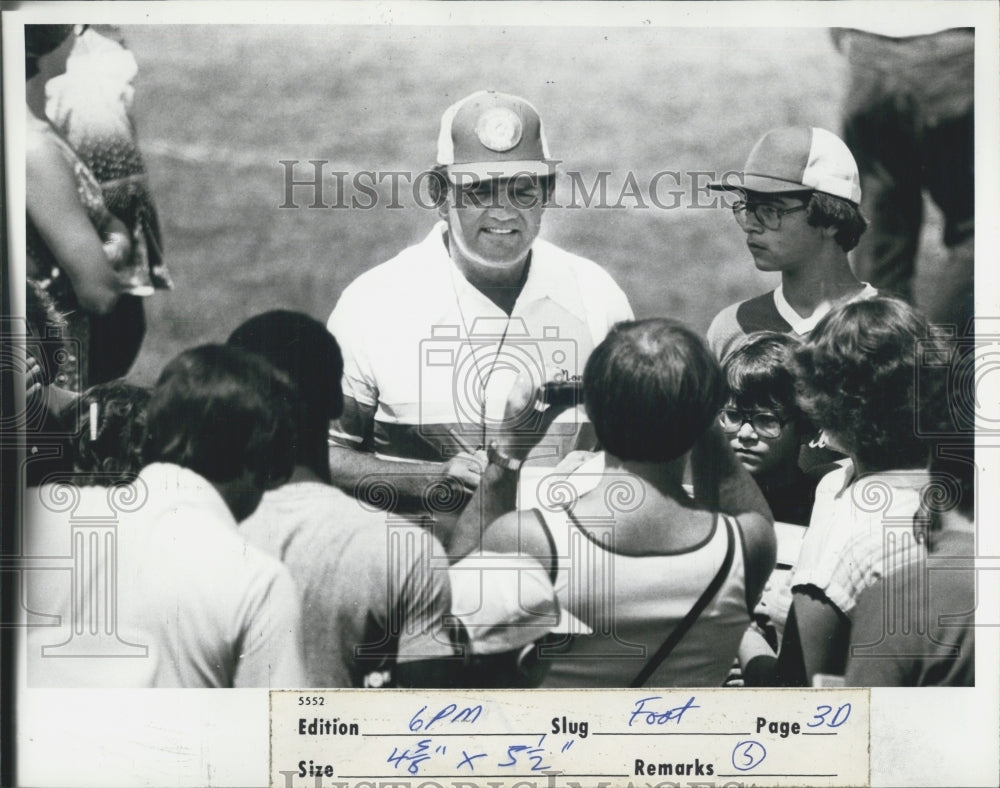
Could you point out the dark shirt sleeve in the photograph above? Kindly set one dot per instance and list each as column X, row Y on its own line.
column 880, row 662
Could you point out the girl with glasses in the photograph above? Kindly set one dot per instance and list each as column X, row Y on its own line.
column 765, row 428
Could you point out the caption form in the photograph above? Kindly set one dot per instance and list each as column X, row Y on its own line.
column 553, row 738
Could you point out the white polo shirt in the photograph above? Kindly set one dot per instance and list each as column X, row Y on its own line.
column 154, row 587
column 431, row 355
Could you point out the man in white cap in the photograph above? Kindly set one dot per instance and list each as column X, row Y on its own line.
column 434, row 339
column 798, row 205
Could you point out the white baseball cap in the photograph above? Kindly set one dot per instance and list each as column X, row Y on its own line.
column 493, row 135
column 506, row 602
column 798, row 158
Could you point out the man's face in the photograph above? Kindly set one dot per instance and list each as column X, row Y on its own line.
column 793, row 244
column 494, row 223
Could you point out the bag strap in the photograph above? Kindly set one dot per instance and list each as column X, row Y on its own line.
column 553, row 551
column 682, row 628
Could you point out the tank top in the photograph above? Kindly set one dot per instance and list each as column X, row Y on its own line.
column 633, row 603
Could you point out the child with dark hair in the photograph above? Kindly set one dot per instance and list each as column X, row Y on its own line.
column 692, row 566
column 108, row 446
column 227, row 415
column 766, row 429
column 374, row 613
column 194, row 603
column 304, row 350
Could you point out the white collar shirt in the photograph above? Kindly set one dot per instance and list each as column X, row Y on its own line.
column 430, row 353
column 191, row 603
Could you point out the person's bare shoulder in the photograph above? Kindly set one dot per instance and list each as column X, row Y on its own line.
column 43, row 157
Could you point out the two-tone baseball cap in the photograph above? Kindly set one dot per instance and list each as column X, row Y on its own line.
column 492, row 135
column 507, row 602
column 798, row 158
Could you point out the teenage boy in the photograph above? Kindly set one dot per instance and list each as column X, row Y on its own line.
column 798, row 205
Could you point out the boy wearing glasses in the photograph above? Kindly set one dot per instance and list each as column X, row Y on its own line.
column 766, row 430
column 764, row 426
column 798, row 206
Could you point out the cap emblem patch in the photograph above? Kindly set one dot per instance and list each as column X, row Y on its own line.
column 499, row 129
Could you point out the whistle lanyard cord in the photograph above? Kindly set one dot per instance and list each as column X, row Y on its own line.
column 482, row 381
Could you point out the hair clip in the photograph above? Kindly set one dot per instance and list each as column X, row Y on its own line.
column 819, row 442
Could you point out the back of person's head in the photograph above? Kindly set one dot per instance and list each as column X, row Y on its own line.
column 759, row 375
column 108, row 448
column 308, row 354
column 221, row 412
column 650, row 389
column 856, row 381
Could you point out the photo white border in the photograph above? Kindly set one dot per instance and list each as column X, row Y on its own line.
column 919, row 736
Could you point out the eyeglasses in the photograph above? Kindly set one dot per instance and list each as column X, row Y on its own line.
column 765, row 423
column 79, row 30
column 522, row 193
column 765, row 213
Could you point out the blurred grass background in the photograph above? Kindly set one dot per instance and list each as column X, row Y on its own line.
column 217, row 108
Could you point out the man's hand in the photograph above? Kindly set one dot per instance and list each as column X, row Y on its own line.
column 466, row 468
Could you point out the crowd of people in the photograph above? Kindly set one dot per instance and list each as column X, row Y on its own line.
column 483, row 471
